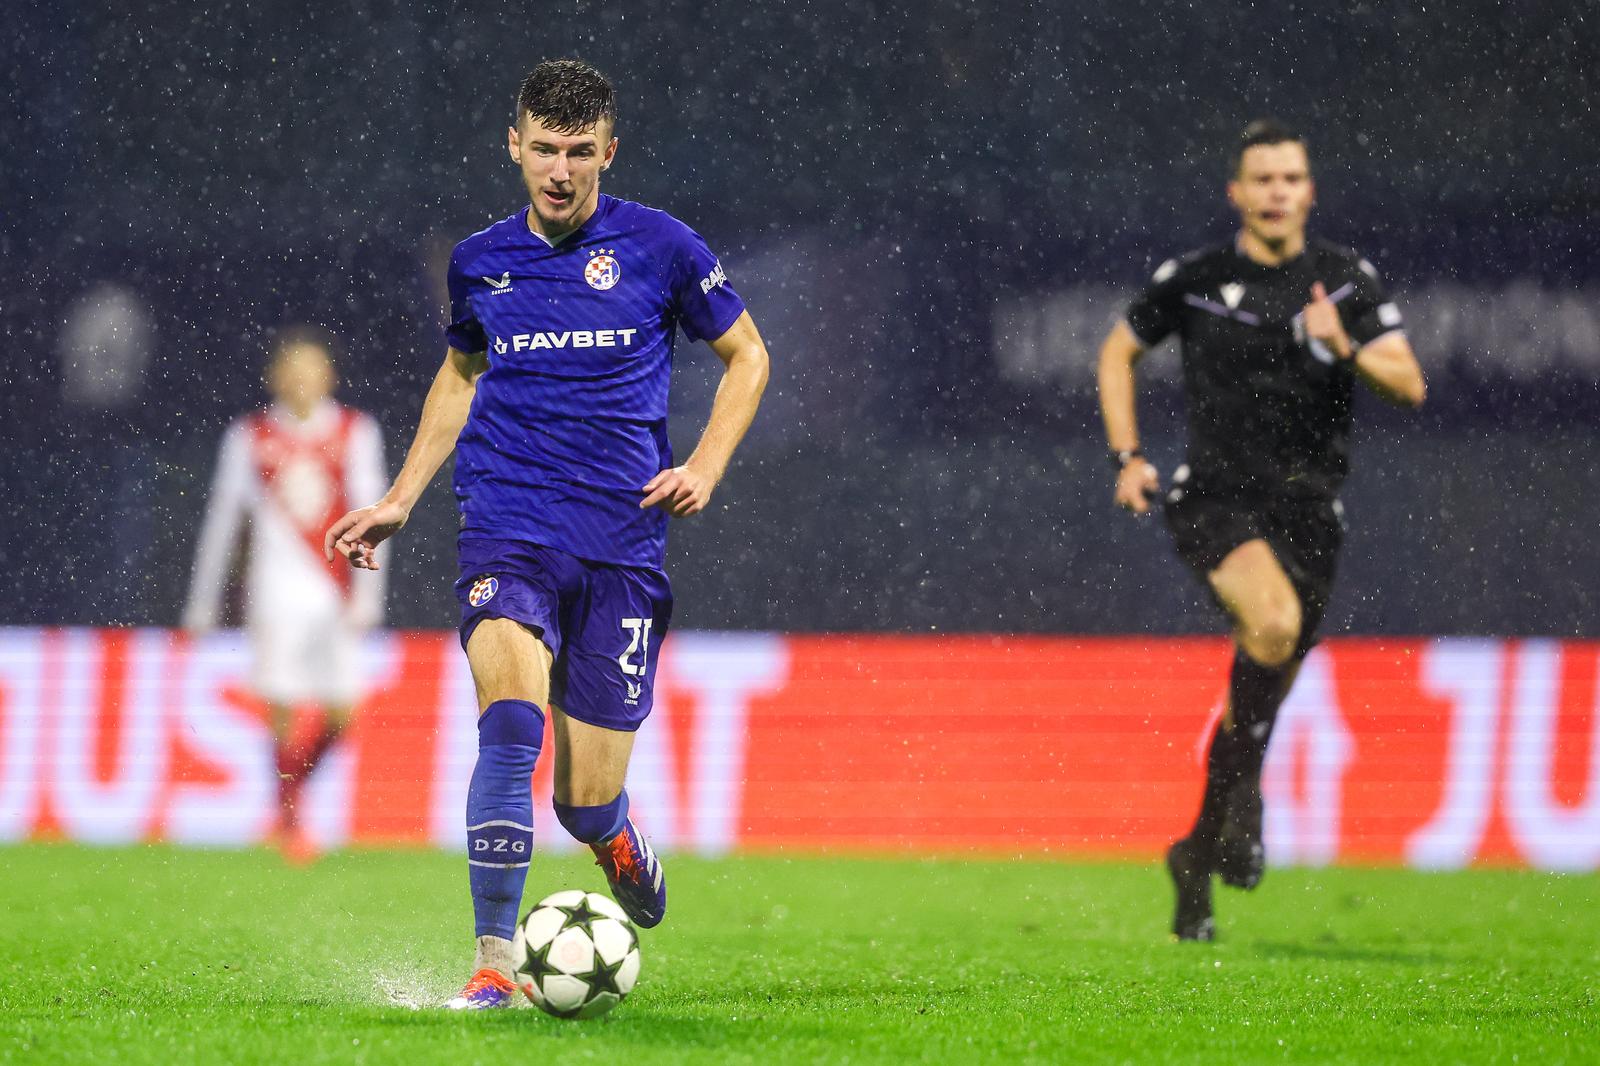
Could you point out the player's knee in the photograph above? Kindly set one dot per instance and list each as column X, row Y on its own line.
column 1271, row 638
column 337, row 715
column 595, row 823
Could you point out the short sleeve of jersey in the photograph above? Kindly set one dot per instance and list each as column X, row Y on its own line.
column 704, row 301
column 1370, row 313
column 464, row 332
column 1157, row 311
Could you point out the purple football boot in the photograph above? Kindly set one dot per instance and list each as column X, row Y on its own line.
column 487, row 990
column 635, row 875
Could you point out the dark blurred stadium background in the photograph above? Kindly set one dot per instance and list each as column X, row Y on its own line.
column 934, row 211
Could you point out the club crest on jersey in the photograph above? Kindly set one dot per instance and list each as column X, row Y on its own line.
column 483, row 591
column 602, row 271
column 1231, row 295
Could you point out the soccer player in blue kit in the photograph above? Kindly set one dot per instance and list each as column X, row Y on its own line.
column 553, row 394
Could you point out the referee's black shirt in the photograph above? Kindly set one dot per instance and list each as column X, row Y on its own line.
column 1269, row 412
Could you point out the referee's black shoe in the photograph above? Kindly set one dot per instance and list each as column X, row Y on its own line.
column 1241, row 857
column 1190, row 863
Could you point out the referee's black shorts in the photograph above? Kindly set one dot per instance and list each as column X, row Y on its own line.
column 1304, row 535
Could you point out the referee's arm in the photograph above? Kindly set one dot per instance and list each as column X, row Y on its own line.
column 1137, row 481
column 1385, row 363
column 1389, row 368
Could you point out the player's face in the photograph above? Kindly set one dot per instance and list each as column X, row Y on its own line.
column 561, row 170
column 1273, row 191
column 301, row 377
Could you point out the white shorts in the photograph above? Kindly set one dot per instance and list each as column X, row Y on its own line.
column 306, row 659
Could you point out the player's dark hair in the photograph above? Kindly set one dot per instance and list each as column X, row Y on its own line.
column 302, row 335
column 1262, row 131
column 567, row 95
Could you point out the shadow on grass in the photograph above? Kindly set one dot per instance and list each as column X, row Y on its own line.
column 1347, row 953
column 643, row 1026
column 699, row 1019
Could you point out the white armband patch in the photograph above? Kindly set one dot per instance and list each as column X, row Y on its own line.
column 1388, row 315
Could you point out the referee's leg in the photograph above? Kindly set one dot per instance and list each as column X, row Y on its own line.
column 1261, row 602
column 1269, row 620
column 1254, row 589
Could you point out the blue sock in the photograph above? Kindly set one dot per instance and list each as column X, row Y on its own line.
column 593, row 825
column 500, row 813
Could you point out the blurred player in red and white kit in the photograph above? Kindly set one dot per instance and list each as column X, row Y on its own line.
column 290, row 470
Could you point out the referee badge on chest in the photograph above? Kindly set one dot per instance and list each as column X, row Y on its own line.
column 602, row 271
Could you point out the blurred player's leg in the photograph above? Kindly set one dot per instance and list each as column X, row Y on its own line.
column 297, row 759
column 592, row 805
column 281, row 719
column 511, row 670
column 300, row 759
column 279, row 674
column 325, row 670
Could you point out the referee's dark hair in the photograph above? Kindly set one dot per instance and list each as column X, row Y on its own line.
column 1262, row 131
column 566, row 95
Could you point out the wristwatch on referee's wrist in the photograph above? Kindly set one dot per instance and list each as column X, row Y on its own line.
column 1121, row 459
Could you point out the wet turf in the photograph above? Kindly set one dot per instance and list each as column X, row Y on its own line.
column 159, row 955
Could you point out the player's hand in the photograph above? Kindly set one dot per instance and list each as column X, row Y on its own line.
column 681, row 491
column 357, row 535
column 1137, row 485
column 1321, row 317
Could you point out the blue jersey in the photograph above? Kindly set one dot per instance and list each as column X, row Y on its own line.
column 570, row 419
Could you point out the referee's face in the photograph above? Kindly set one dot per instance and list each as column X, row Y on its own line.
column 561, row 170
column 1273, row 192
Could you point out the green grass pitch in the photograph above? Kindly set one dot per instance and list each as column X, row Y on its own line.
column 159, row 955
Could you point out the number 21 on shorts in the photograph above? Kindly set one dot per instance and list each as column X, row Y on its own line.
column 639, row 644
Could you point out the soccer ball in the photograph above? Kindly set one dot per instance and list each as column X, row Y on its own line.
column 576, row 954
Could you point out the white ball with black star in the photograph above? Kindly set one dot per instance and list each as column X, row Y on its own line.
column 577, row 954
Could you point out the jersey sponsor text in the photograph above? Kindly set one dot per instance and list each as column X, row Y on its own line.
column 576, row 338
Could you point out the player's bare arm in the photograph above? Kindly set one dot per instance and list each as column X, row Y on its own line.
column 685, row 490
column 1386, row 364
column 1137, row 480
column 444, row 412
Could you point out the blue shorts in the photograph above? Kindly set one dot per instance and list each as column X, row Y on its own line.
column 603, row 623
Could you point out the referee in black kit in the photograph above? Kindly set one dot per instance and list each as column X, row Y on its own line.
column 1276, row 332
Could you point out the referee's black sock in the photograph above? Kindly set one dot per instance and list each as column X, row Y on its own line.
column 1221, row 760
column 1255, row 693
column 1239, row 746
